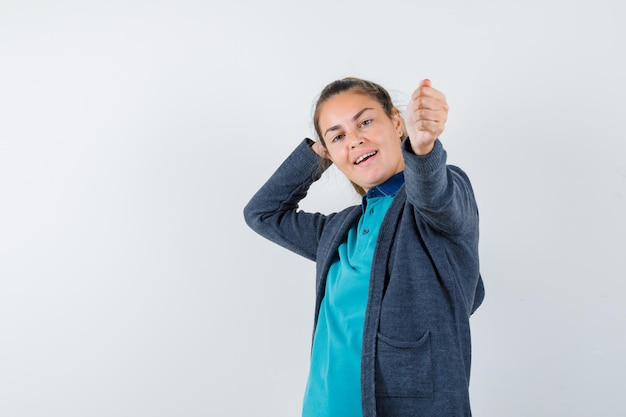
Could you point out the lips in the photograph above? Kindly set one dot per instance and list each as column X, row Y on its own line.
column 364, row 157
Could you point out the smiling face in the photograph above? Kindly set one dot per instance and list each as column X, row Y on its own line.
column 361, row 139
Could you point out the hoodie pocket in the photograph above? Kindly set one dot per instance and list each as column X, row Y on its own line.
column 404, row 369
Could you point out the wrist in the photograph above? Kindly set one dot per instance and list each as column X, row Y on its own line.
column 422, row 149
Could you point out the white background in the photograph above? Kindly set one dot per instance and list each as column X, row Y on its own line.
column 132, row 133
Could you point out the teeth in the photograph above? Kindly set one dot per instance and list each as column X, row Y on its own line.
column 362, row 157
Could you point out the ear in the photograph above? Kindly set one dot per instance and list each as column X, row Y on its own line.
column 398, row 122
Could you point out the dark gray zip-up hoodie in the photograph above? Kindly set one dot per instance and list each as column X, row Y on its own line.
column 424, row 285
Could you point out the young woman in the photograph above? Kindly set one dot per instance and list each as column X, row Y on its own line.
column 397, row 276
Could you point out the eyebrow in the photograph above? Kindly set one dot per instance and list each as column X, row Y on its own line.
column 354, row 118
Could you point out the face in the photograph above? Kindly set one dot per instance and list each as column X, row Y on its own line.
column 361, row 140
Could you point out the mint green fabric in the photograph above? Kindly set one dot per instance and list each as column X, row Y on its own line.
column 334, row 384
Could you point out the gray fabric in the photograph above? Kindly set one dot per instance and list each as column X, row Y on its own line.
column 424, row 285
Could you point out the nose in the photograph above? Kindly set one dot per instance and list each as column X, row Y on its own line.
column 356, row 143
column 355, row 140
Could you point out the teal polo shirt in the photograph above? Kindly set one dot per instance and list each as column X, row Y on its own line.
column 334, row 385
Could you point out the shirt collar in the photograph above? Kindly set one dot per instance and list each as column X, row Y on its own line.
column 388, row 188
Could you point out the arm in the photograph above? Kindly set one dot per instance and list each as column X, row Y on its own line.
column 441, row 193
column 273, row 210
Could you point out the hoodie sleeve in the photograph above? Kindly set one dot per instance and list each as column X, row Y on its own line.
column 273, row 212
column 441, row 193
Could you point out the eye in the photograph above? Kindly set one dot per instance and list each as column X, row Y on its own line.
column 366, row 122
column 338, row 137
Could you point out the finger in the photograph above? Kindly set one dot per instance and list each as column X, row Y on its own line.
column 429, row 126
column 425, row 83
column 437, row 116
column 432, row 103
column 430, row 115
column 430, row 93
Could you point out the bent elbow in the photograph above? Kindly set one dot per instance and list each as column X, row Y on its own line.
column 252, row 216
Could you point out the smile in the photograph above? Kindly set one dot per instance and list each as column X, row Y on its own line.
column 364, row 157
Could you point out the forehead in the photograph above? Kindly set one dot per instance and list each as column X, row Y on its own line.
column 346, row 105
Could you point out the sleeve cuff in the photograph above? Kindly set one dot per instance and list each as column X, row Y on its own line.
column 424, row 164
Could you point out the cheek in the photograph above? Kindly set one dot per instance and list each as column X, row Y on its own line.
column 330, row 154
column 336, row 154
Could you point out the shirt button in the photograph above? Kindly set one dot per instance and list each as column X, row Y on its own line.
column 366, row 231
column 371, row 211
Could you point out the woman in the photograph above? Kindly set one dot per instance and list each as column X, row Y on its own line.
column 397, row 276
